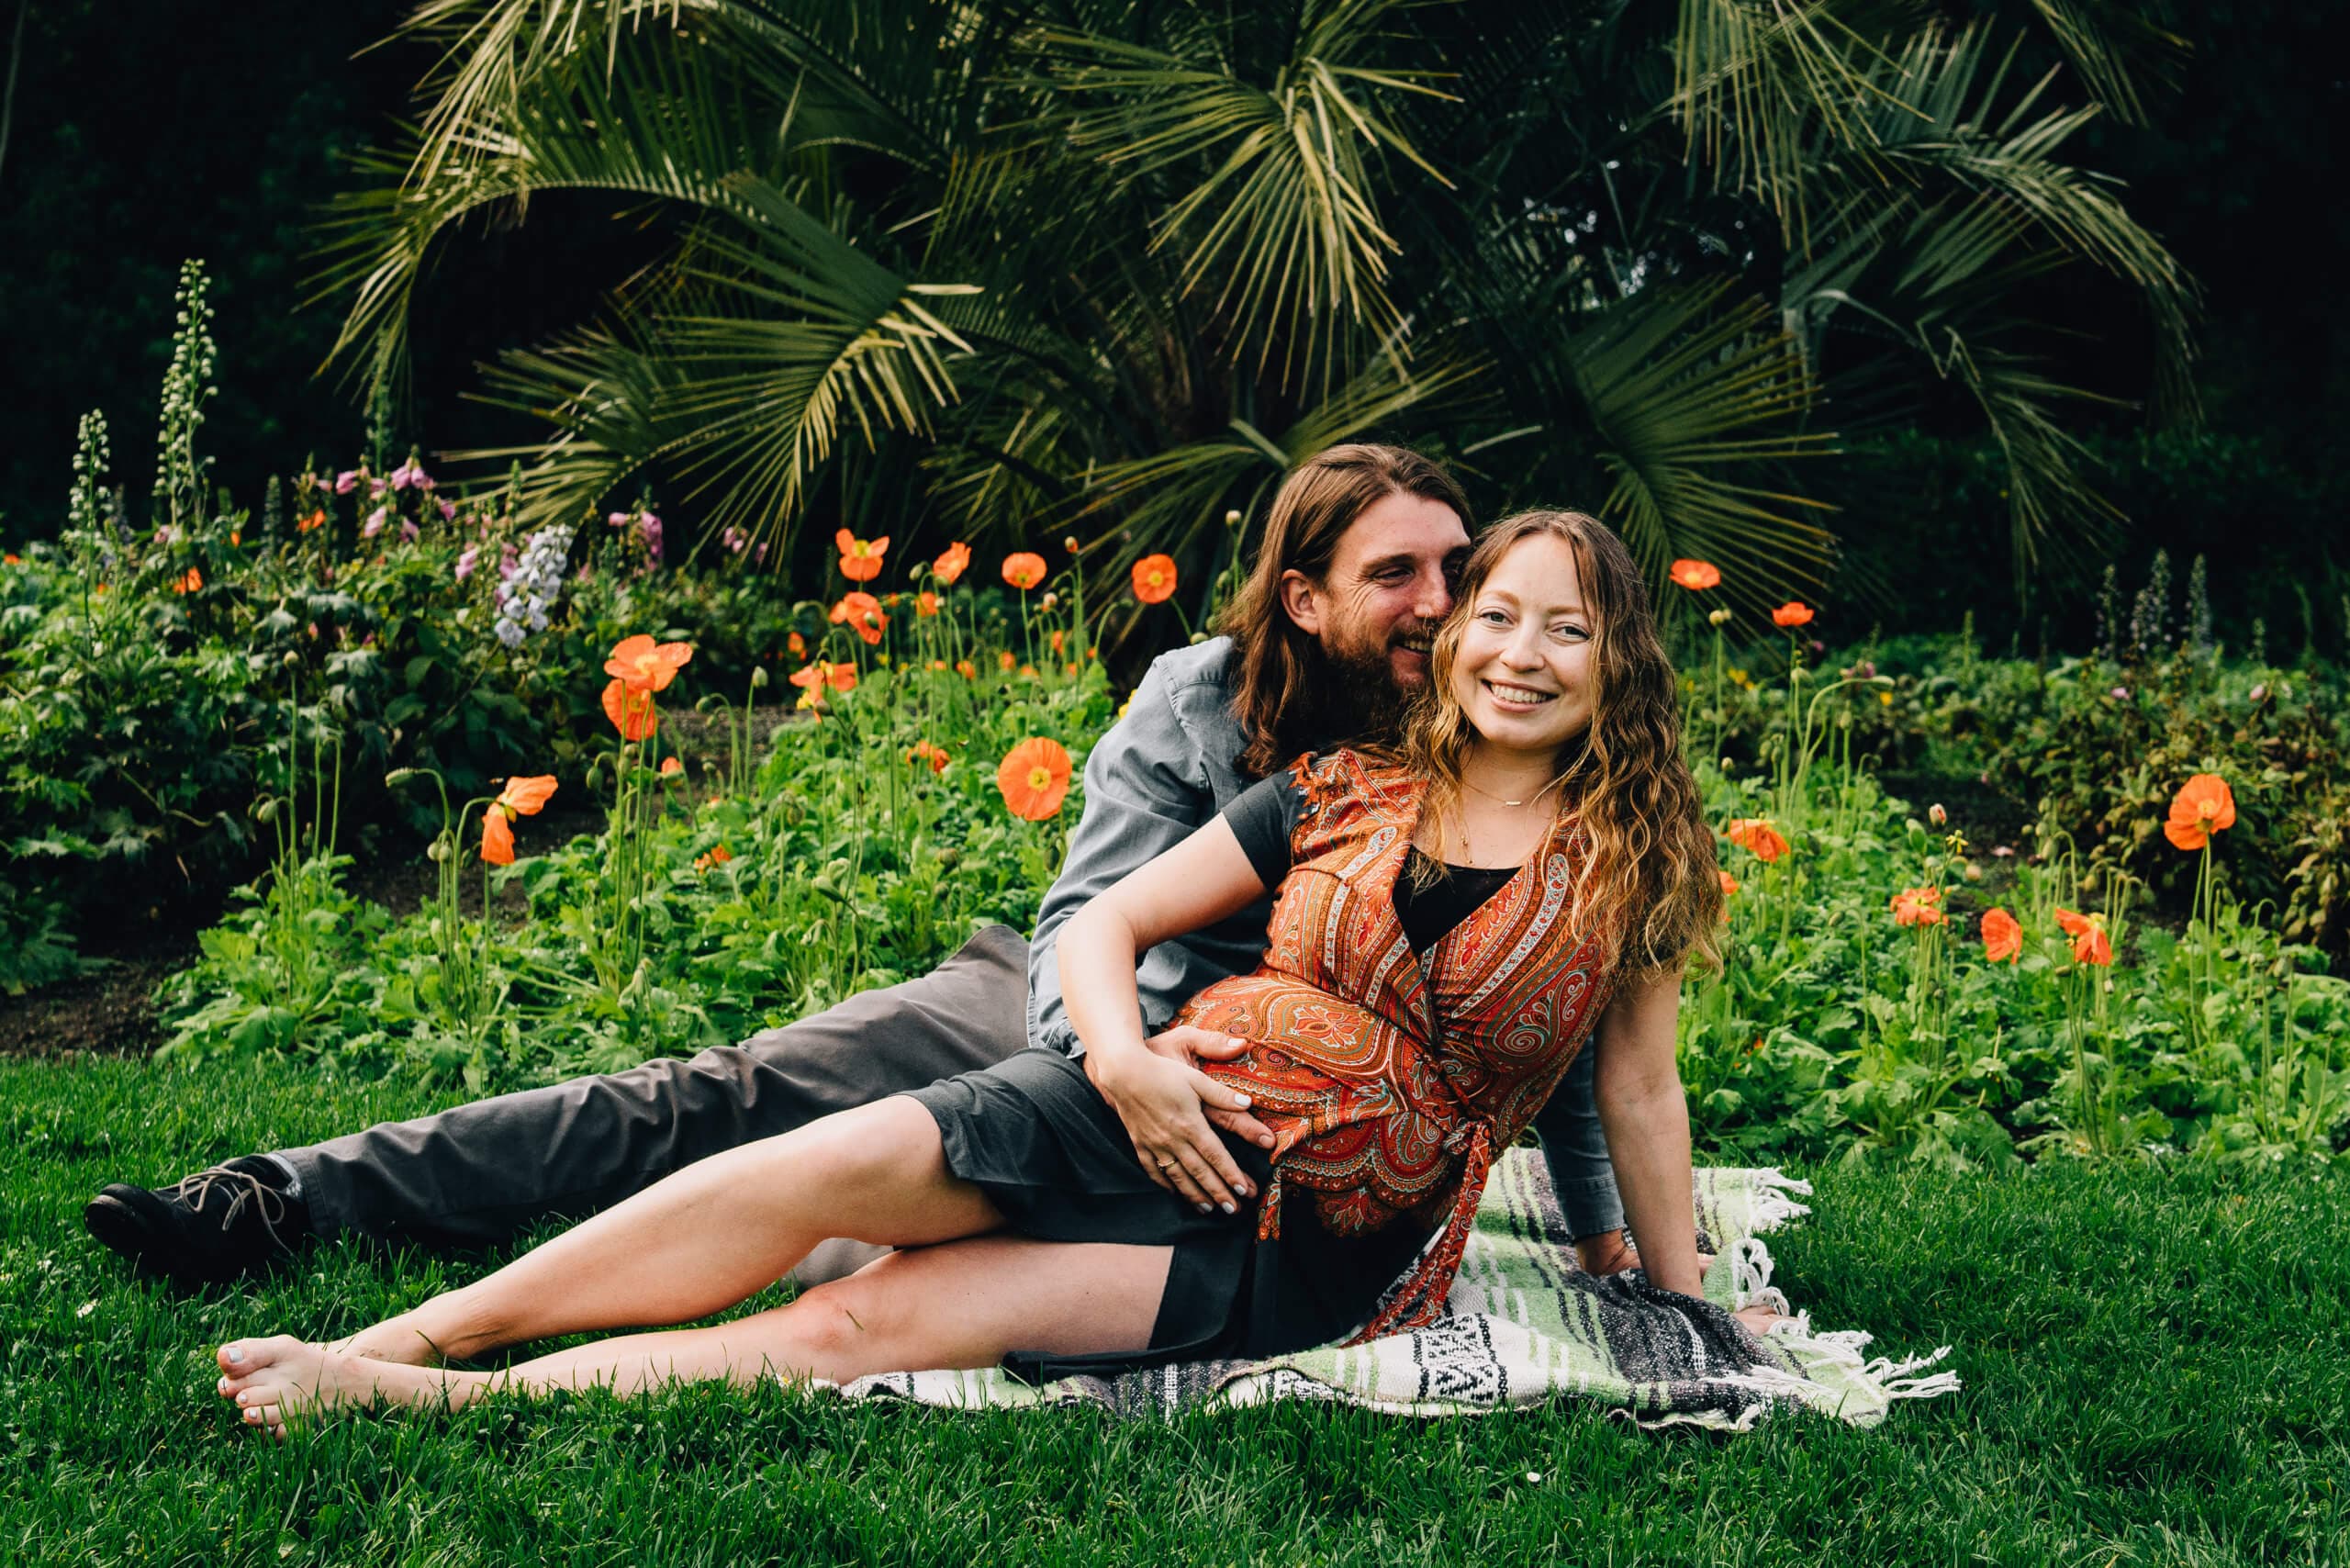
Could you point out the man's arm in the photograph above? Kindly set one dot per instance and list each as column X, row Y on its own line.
column 1201, row 880
column 1147, row 789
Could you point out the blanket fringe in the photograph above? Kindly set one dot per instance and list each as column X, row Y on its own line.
column 1750, row 1273
column 1773, row 1207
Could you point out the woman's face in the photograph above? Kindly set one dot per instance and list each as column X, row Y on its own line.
column 1529, row 650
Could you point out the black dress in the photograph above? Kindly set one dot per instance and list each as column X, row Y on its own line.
column 1036, row 1136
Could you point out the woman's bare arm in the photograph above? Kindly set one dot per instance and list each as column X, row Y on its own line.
column 1646, row 1116
column 1200, row 881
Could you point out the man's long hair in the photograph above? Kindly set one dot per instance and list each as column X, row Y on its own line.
column 1648, row 881
column 1280, row 664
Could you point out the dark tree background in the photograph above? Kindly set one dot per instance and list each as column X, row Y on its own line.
column 139, row 133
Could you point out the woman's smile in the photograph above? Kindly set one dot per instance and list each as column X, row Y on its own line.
column 1526, row 661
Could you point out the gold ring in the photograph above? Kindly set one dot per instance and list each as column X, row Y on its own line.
column 1166, row 1165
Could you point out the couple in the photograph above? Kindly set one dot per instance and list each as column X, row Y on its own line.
column 1458, row 905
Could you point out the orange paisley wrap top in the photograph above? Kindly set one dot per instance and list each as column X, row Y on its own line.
column 1389, row 1079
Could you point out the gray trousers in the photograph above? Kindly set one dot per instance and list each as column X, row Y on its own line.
column 476, row 1174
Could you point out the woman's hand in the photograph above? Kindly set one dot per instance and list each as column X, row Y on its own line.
column 1171, row 1109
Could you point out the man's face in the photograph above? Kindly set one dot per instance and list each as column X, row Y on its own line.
column 1390, row 582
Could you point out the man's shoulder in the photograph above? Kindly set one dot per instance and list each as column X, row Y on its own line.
column 1209, row 664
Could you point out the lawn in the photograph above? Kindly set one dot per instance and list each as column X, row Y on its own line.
column 2154, row 1365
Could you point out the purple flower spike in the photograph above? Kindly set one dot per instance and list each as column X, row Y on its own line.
column 467, row 559
column 408, row 530
column 346, row 481
column 448, row 511
column 374, row 524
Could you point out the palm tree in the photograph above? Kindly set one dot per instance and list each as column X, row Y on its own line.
column 1112, row 265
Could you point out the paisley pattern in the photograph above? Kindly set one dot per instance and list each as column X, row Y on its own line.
column 1391, row 1084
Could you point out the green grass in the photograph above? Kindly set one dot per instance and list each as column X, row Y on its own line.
column 2157, row 1370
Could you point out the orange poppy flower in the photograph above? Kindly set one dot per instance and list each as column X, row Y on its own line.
column 1915, row 906
column 525, row 796
column 1024, row 570
column 671, row 767
column 1155, row 578
column 631, row 711
column 1730, row 883
column 1794, row 612
column 188, row 584
column 1054, row 642
column 2203, row 806
column 236, row 540
column 966, row 670
column 496, row 838
column 315, row 520
column 2090, row 944
column 1697, row 576
column 798, row 644
column 950, row 563
column 1008, row 659
column 925, row 751
column 2002, row 936
column 643, row 666
column 861, row 612
column 860, row 558
column 11, row 559
column 1033, row 777
column 1756, row 834
column 840, row 678
column 925, row 603
column 717, row 855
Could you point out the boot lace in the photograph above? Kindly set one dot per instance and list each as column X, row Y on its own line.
column 243, row 1187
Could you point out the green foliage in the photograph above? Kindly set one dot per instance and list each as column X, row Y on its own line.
column 701, row 915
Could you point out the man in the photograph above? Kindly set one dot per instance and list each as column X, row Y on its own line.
column 1325, row 641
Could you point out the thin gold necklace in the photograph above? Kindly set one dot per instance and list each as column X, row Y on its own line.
column 1536, row 796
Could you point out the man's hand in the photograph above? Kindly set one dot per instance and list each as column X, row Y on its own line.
column 1171, row 1110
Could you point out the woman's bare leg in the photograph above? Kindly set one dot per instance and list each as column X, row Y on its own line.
column 705, row 1237
column 964, row 1303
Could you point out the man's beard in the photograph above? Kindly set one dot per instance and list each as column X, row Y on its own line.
column 1357, row 697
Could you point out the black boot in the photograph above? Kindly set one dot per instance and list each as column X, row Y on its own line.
column 217, row 1225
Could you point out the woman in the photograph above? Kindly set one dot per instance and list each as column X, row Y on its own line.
column 1452, row 928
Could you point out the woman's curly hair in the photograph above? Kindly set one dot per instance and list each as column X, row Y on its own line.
column 1648, row 881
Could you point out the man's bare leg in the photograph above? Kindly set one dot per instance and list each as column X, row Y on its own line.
column 963, row 1304
column 705, row 1237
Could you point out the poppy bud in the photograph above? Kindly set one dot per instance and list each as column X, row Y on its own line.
column 1232, row 518
column 758, row 677
column 1052, row 600
column 1070, row 544
column 293, row 658
column 1719, row 618
column 1936, row 815
column 438, row 851
column 267, row 810
column 397, row 776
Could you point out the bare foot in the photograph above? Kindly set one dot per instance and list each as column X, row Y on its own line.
column 1759, row 1318
column 396, row 1339
column 279, row 1377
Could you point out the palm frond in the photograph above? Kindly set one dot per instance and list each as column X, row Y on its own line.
column 2120, row 48
column 1691, row 394
column 1285, row 221
column 1755, row 82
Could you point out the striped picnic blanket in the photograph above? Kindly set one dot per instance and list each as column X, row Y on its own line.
column 1523, row 1325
